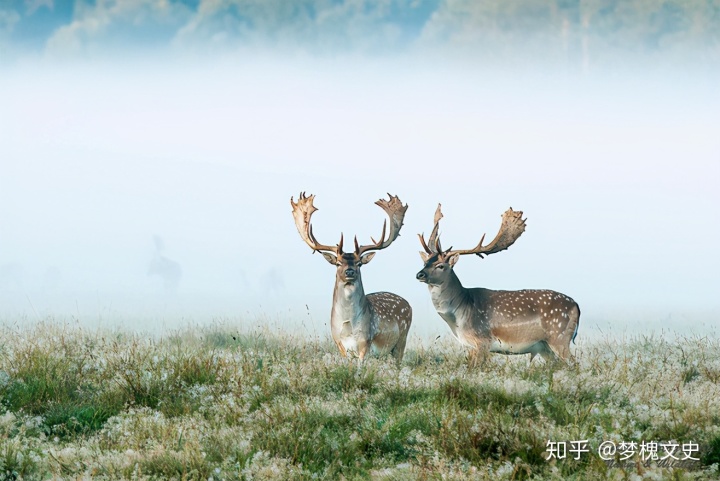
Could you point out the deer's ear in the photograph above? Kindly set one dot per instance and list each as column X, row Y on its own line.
column 331, row 258
column 452, row 260
column 424, row 256
column 367, row 257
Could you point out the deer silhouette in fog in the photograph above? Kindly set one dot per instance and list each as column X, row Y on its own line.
column 168, row 270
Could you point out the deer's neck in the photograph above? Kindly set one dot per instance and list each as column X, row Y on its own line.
column 350, row 306
column 448, row 295
column 450, row 300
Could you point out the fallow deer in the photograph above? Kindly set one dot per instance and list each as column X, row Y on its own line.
column 508, row 322
column 377, row 322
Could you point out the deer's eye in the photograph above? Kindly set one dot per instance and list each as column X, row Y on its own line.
column 440, row 266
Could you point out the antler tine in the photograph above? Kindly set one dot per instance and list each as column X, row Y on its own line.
column 433, row 240
column 302, row 211
column 475, row 250
column 433, row 244
column 512, row 227
column 424, row 245
column 396, row 212
column 382, row 234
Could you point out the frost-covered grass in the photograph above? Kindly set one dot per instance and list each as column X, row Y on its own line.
column 215, row 403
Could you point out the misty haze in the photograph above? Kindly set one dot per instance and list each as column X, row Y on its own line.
column 163, row 314
column 146, row 173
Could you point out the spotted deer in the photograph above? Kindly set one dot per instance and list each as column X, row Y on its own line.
column 528, row 321
column 378, row 322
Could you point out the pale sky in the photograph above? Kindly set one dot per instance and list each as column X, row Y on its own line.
column 616, row 170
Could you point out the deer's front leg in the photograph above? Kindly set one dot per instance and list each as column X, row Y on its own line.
column 479, row 355
column 362, row 348
column 341, row 347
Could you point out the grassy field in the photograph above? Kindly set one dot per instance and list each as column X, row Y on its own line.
column 214, row 403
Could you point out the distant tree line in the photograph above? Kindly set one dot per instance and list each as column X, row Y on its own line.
column 582, row 33
column 586, row 32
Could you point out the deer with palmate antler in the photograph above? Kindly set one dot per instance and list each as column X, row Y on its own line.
column 507, row 322
column 359, row 323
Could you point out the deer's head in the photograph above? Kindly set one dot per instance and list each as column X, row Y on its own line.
column 348, row 263
column 439, row 263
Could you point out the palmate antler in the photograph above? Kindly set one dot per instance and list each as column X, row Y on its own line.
column 396, row 212
column 512, row 227
column 303, row 210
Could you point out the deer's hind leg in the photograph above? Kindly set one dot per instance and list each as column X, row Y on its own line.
column 559, row 349
column 563, row 334
column 398, row 351
column 543, row 350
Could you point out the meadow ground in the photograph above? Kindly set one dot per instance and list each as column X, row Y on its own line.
column 210, row 402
